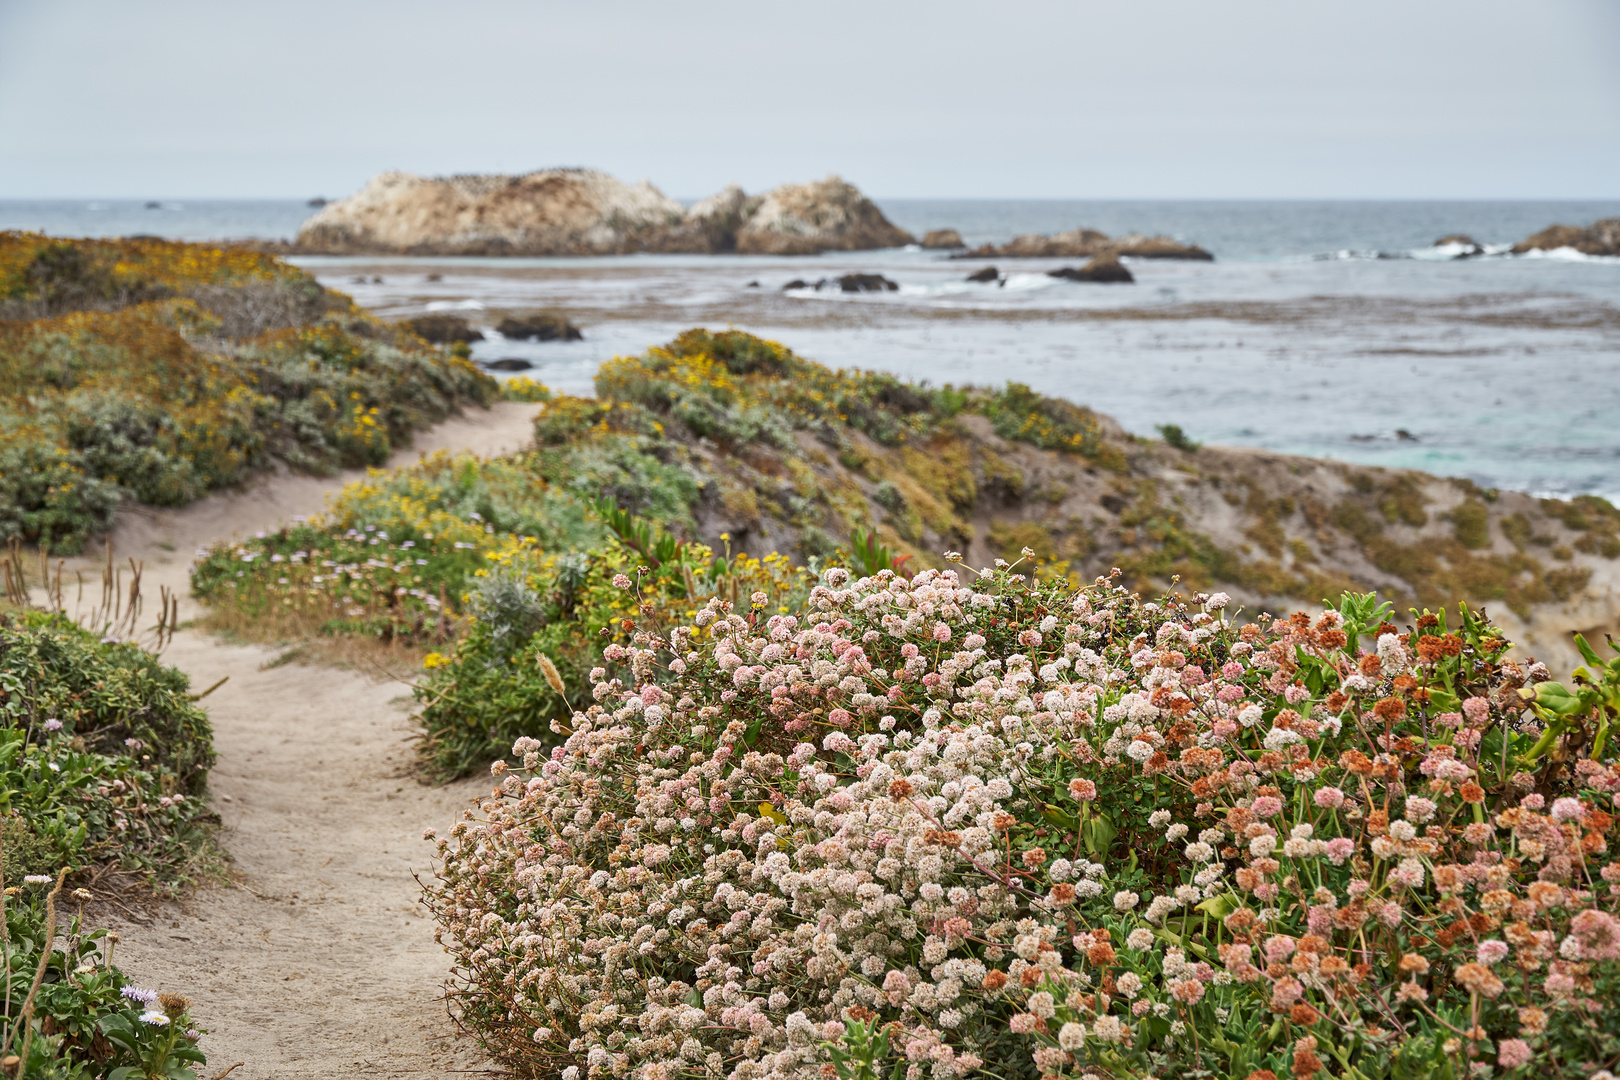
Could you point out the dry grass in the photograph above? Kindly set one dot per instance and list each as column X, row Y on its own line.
column 301, row 640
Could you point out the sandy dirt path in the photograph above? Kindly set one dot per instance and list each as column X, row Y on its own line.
column 319, row 963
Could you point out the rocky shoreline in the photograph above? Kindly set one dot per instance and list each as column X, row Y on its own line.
column 584, row 212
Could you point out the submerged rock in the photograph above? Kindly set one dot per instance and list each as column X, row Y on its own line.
column 1104, row 269
column 942, row 240
column 443, row 329
column 1084, row 243
column 1467, row 246
column 796, row 283
column 988, row 274
column 1599, row 238
column 508, row 363
column 542, row 327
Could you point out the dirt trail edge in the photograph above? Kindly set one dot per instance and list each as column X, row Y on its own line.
column 319, row 963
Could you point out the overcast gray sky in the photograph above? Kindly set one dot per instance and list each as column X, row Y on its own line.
column 1141, row 98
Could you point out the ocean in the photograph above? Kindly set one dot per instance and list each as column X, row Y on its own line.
column 1331, row 329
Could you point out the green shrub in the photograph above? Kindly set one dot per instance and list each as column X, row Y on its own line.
column 104, row 693
column 1174, row 436
column 103, row 756
column 88, row 1020
column 1470, row 524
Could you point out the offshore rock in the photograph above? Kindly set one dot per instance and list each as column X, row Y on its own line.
column 806, row 219
column 942, row 240
column 854, row 283
column 987, row 275
column 443, row 329
column 1104, row 269
column 1467, row 247
column 550, row 212
column 721, row 216
column 586, row 212
column 1085, row 243
column 541, row 327
column 1599, row 238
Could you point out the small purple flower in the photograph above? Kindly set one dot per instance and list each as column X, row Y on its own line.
column 53, row 724
column 136, row 993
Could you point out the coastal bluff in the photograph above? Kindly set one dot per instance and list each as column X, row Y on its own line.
column 588, row 212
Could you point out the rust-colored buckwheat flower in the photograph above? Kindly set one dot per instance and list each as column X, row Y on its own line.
column 940, row 841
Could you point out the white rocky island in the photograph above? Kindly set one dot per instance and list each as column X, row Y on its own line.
column 587, row 212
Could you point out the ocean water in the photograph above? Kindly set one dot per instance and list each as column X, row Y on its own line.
column 1332, row 329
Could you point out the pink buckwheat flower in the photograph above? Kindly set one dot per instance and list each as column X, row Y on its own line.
column 1511, row 1053
column 1567, row 809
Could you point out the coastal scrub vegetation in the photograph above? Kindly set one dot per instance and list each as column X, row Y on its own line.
column 104, row 757
column 725, row 441
column 1000, row 825
column 160, row 371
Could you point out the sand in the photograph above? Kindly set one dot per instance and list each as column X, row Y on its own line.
column 318, row 962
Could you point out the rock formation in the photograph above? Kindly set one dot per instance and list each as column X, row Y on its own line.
column 1084, row 243
column 860, row 283
column 1104, row 269
column 542, row 327
column 551, row 212
column 1467, row 247
column 988, row 275
column 942, row 240
column 443, row 329
column 1599, row 238
column 585, row 212
column 805, row 219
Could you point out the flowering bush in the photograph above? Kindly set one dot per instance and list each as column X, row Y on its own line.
column 523, row 388
column 568, row 610
column 941, row 828
column 83, row 1019
column 394, row 555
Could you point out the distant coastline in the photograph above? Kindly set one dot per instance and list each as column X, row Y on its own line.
column 1233, row 229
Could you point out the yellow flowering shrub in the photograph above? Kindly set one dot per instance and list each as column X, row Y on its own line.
column 115, row 382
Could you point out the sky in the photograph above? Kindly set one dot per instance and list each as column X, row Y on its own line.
column 942, row 99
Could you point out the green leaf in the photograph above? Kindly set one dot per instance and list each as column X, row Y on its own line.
column 1219, row 907
column 1554, row 698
